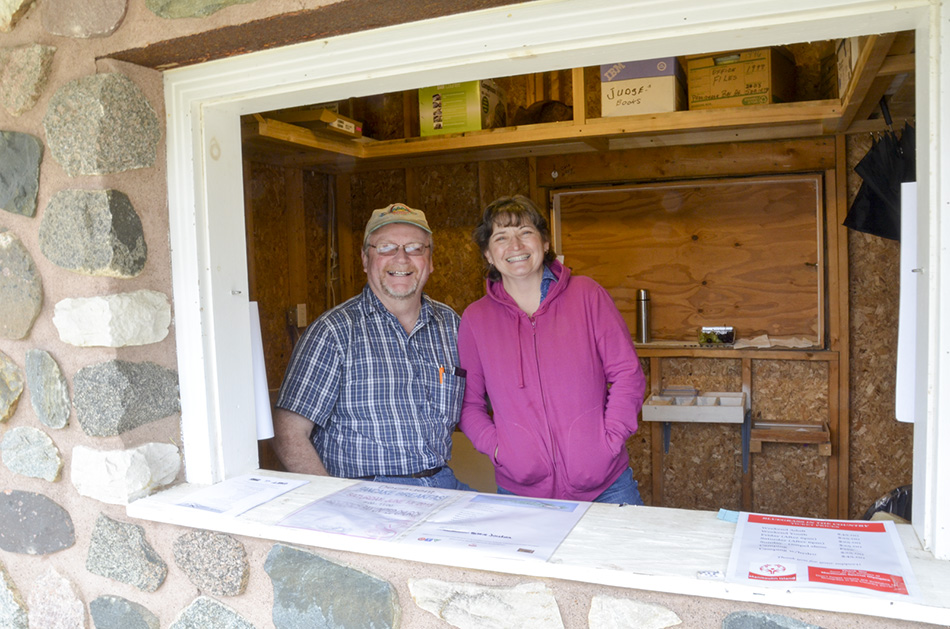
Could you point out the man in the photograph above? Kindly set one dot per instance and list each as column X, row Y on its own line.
column 373, row 389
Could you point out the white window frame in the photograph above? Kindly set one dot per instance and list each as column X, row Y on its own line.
column 204, row 104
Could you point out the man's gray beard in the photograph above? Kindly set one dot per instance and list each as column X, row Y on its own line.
column 410, row 292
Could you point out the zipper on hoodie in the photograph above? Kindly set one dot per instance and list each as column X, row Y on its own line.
column 544, row 400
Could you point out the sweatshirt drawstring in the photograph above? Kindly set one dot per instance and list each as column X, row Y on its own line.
column 520, row 355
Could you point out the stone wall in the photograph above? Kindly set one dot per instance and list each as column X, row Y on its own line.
column 88, row 383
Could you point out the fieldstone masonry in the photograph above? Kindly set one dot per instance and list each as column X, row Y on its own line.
column 115, row 612
column 24, row 73
column 21, row 292
column 93, row 232
column 759, row 620
column 137, row 318
column 30, row 452
column 121, row 476
column 119, row 551
column 214, row 562
column 54, row 602
column 101, row 124
column 49, row 393
column 471, row 606
column 205, row 612
column 607, row 612
column 20, row 157
column 32, row 524
column 310, row 591
column 11, row 387
column 189, row 8
column 83, row 18
column 116, row 396
column 11, row 11
column 13, row 613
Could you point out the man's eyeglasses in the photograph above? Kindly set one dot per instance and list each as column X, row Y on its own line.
column 390, row 249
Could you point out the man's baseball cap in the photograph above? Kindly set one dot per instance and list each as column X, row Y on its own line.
column 395, row 213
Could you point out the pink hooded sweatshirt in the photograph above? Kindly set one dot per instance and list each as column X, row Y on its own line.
column 551, row 398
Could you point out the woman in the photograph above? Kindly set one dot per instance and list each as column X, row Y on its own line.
column 554, row 384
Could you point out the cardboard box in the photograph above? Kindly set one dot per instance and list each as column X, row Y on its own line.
column 743, row 77
column 642, row 87
column 460, row 107
column 847, row 51
column 322, row 120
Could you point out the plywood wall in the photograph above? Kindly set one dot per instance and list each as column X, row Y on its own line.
column 881, row 448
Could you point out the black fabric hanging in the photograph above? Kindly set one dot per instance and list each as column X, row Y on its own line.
column 876, row 209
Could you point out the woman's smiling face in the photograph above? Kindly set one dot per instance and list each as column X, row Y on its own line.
column 516, row 251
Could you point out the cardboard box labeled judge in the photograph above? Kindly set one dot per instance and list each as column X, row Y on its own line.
column 649, row 86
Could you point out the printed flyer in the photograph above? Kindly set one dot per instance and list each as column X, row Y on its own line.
column 852, row 555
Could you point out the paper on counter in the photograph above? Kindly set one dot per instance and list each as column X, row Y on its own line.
column 234, row 496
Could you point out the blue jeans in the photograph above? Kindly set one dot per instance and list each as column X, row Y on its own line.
column 623, row 491
column 443, row 479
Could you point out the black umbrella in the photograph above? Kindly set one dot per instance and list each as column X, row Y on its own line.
column 890, row 161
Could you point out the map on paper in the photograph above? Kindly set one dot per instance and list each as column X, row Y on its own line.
column 851, row 555
column 500, row 526
column 370, row 510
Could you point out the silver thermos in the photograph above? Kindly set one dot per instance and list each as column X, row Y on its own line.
column 643, row 316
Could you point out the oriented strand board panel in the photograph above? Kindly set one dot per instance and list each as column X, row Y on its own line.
column 743, row 252
column 792, row 391
column 881, row 448
column 639, row 449
column 703, row 469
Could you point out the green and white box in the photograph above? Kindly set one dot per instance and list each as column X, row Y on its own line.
column 461, row 107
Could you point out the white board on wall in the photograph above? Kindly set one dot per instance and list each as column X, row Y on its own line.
column 905, row 404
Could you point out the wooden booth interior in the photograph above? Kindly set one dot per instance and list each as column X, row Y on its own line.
column 729, row 217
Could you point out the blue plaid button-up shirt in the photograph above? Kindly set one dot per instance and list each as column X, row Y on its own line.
column 382, row 401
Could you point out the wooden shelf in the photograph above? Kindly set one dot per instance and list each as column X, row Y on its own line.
column 693, row 350
column 875, row 67
column 819, row 435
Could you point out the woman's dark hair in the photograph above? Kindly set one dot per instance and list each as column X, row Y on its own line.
column 510, row 212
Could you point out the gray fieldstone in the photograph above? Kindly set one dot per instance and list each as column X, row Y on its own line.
column 214, row 562
column 49, row 393
column 122, row 476
column 607, row 612
column 32, row 524
column 13, row 613
column 93, row 232
column 11, row 386
column 207, row 613
column 21, row 291
column 24, row 74
column 189, row 8
column 760, row 620
column 20, row 157
column 115, row 612
column 28, row 451
column 472, row 606
column 101, row 124
column 310, row 591
column 116, row 396
column 119, row 551
column 11, row 11
column 54, row 602
column 83, row 18
column 138, row 318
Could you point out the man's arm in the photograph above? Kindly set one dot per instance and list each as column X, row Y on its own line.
column 292, row 443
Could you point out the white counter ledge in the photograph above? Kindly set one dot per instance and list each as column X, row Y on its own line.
column 645, row 548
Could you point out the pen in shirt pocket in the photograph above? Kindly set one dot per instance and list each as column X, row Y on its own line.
column 458, row 372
